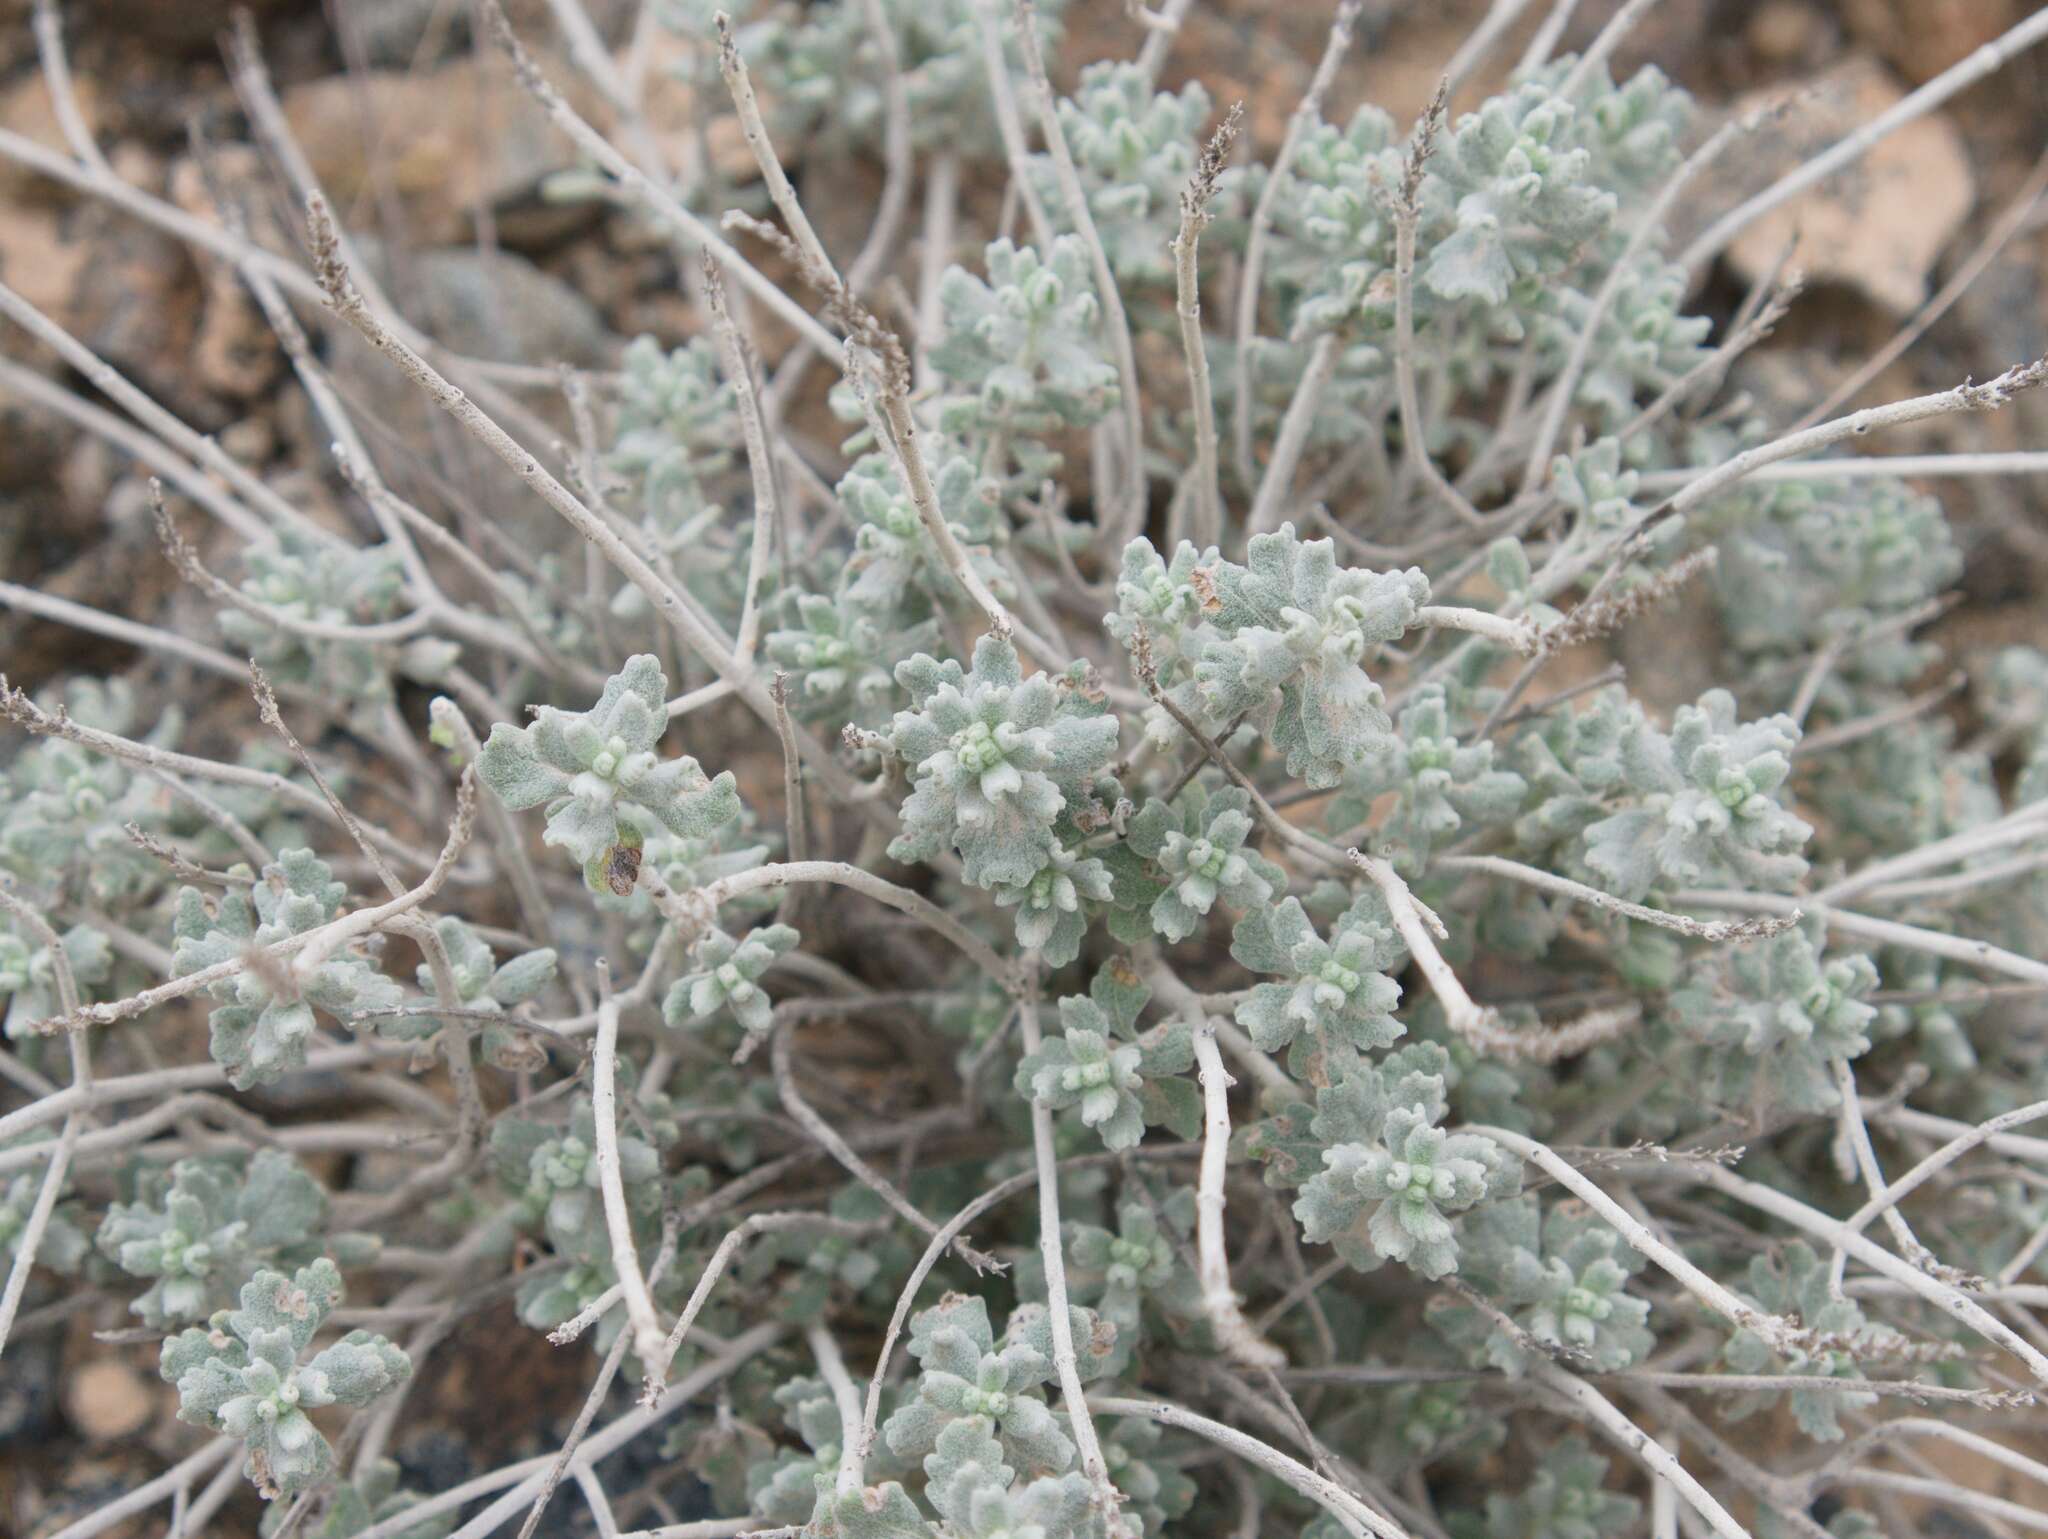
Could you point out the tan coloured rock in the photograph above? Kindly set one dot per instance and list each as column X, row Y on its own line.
column 1786, row 32
column 26, row 109
column 445, row 138
column 106, row 1400
column 1878, row 225
column 39, row 261
column 442, row 140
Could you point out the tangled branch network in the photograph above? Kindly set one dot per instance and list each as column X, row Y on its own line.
column 1300, row 1039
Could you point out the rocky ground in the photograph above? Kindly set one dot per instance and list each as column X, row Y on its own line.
column 427, row 143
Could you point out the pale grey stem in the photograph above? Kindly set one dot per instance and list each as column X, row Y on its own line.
column 832, row 1369
column 251, row 78
column 534, row 910
column 1716, row 930
column 1352, row 1515
column 197, row 447
column 1052, row 1250
column 369, row 633
column 1946, row 1297
column 1947, row 887
column 153, row 641
column 2018, row 462
column 1856, row 1133
column 145, row 447
column 1420, row 929
column 1885, row 1198
column 1780, row 1333
column 1716, row 364
column 49, row 30
column 935, row 255
column 1921, row 1426
column 1130, row 512
column 564, row 1460
column 529, row 1475
column 695, row 910
column 599, row 1504
column 902, row 436
column 2024, row 823
column 1245, row 317
column 456, row 1036
column 1274, row 1082
column 1545, row 40
column 697, row 699
column 647, row 1332
column 30, row 1239
column 1002, row 96
column 537, row 651
column 741, row 87
column 796, row 823
column 814, row 1124
column 129, row 1087
column 1989, row 396
column 739, row 370
column 145, row 1496
column 1514, row 633
column 1268, row 507
column 941, row 1241
column 1219, row 1299
column 1414, row 440
column 587, row 49
column 1162, row 28
column 897, row 160
column 15, row 706
column 1948, row 1490
column 1817, row 671
column 1595, row 56
column 1207, row 525
column 1842, row 733
column 1626, row 1435
column 1955, row 947
column 729, row 1247
column 328, row 938
column 1500, row 16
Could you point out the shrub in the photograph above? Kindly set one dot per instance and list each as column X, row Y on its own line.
column 1121, row 863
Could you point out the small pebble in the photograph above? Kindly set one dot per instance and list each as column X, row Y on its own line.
column 107, row 1400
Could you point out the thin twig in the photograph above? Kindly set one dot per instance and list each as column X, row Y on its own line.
column 1129, row 507
column 1352, row 1515
column 1245, row 314
column 840, row 1150
column 1718, row 931
column 29, row 1241
column 1052, row 1252
column 646, row 1332
column 1207, row 526
column 1219, row 1299
column 1407, row 212
column 741, row 87
column 1268, row 506
column 739, row 370
column 1626, row 1435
